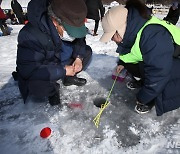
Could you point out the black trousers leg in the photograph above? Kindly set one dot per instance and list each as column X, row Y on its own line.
column 87, row 57
column 133, row 69
column 136, row 70
column 40, row 88
column 96, row 26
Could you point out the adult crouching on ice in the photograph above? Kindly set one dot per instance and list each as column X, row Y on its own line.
column 148, row 49
column 51, row 47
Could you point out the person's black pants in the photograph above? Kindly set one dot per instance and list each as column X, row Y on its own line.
column 41, row 88
column 96, row 26
column 136, row 70
column 87, row 57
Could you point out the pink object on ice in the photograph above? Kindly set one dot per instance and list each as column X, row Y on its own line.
column 75, row 105
column 121, row 75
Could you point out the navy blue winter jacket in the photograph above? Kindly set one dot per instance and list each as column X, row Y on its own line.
column 161, row 70
column 37, row 61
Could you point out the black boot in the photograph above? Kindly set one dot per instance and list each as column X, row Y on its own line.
column 74, row 80
column 55, row 99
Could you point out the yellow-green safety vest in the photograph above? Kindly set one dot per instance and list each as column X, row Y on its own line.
column 135, row 55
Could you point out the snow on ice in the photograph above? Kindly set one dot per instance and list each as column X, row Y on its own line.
column 121, row 130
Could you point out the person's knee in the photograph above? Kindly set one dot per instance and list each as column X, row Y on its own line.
column 87, row 57
column 88, row 51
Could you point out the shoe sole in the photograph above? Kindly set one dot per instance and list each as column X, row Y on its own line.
column 139, row 111
column 130, row 87
column 73, row 84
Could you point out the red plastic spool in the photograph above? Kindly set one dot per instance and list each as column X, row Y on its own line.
column 45, row 132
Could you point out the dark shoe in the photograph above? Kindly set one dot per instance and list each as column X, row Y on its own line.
column 74, row 80
column 133, row 84
column 142, row 108
column 15, row 75
column 54, row 100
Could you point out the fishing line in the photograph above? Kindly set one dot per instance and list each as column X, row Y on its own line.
column 103, row 106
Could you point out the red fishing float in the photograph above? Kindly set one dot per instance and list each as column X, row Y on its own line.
column 45, row 132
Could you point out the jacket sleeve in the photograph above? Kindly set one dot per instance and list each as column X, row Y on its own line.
column 33, row 62
column 157, row 51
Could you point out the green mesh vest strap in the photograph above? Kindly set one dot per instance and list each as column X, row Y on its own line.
column 135, row 55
